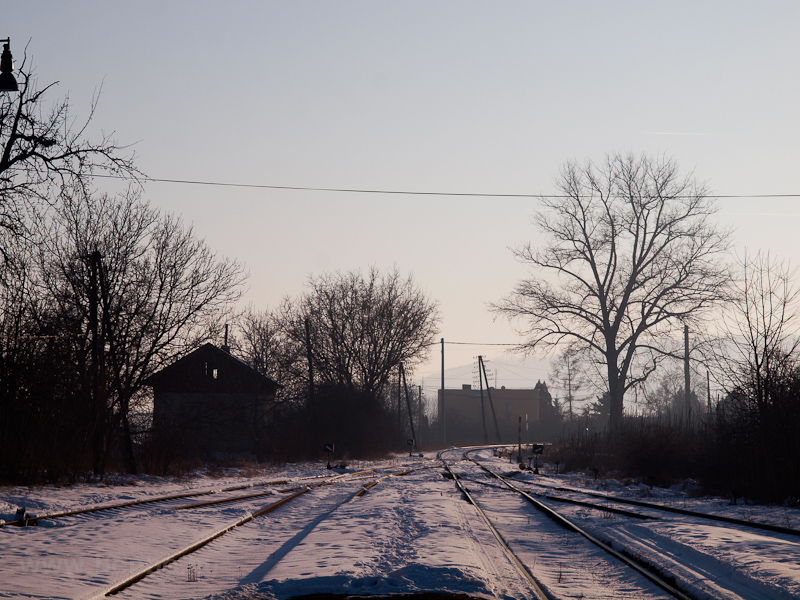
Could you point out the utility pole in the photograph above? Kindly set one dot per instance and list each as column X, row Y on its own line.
column 482, row 368
column 442, row 408
column 310, row 365
column 108, row 340
column 399, row 383
column 686, row 374
column 402, row 374
column 97, row 407
column 569, row 384
column 483, row 410
column 419, row 406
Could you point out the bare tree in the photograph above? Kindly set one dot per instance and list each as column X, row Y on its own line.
column 631, row 255
column 667, row 397
column 758, row 364
column 569, row 374
column 43, row 151
column 358, row 329
column 334, row 349
column 161, row 292
column 262, row 341
column 762, row 331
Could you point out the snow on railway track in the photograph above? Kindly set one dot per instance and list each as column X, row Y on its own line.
column 715, row 559
column 385, row 541
column 149, row 534
column 707, row 556
column 34, row 520
column 296, row 483
column 653, row 506
column 392, row 529
column 563, row 564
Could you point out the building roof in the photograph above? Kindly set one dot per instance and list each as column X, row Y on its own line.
column 209, row 361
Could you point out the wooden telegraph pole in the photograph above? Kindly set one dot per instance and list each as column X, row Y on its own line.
column 482, row 369
column 408, row 404
column 98, row 433
column 687, row 383
column 442, row 414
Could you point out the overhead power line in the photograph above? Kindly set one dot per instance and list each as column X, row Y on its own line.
column 473, row 344
column 392, row 192
column 327, row 189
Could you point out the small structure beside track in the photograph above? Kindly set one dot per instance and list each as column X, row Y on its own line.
column 210, row 402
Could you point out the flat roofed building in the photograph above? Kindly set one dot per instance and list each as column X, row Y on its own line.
column 464, row 417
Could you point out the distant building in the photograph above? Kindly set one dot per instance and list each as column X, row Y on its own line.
column 463, row 417
column 210, row 402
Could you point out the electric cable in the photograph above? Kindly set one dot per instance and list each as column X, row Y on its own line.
column 398, row 192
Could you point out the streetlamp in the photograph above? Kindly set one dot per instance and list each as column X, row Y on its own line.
column 7, row 81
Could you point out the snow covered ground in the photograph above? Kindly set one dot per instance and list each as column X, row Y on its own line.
column 409, row 533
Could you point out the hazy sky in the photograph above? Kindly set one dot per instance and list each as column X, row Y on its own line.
column 477, row 97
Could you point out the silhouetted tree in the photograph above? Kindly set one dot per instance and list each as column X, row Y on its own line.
column 344, row 338
column 599, row 411
column 668, row 398
column 759, row 364
column 631, row 256
column 569, row 374
column 550, row 414
column 160, row 292
column 762, row 329
column 261, row 341
column 358, row 329
column 43, row 151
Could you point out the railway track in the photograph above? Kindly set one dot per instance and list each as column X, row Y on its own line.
column 663, row 547
column 651, row 506
column 364, row 480
column 677, row 510
column 140, row 502
column 517, row 539
column 325, row 480
column 542, row 587
column 536, row 588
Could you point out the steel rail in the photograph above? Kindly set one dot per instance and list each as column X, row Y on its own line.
column 592, row 505
column 569, row 525
column 609, row 509
column 104, row 507
column 600, row 507
column 269, row 493
column 684, row 511
column 223, row 500
column 535, row 586
column 372, row 484
column 151, row 568
column 341, row 477
column 142, row 501
column 145, row 571
column 168, row 497
column 653, row 505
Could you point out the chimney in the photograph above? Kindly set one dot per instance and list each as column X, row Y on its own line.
column 225, row 347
